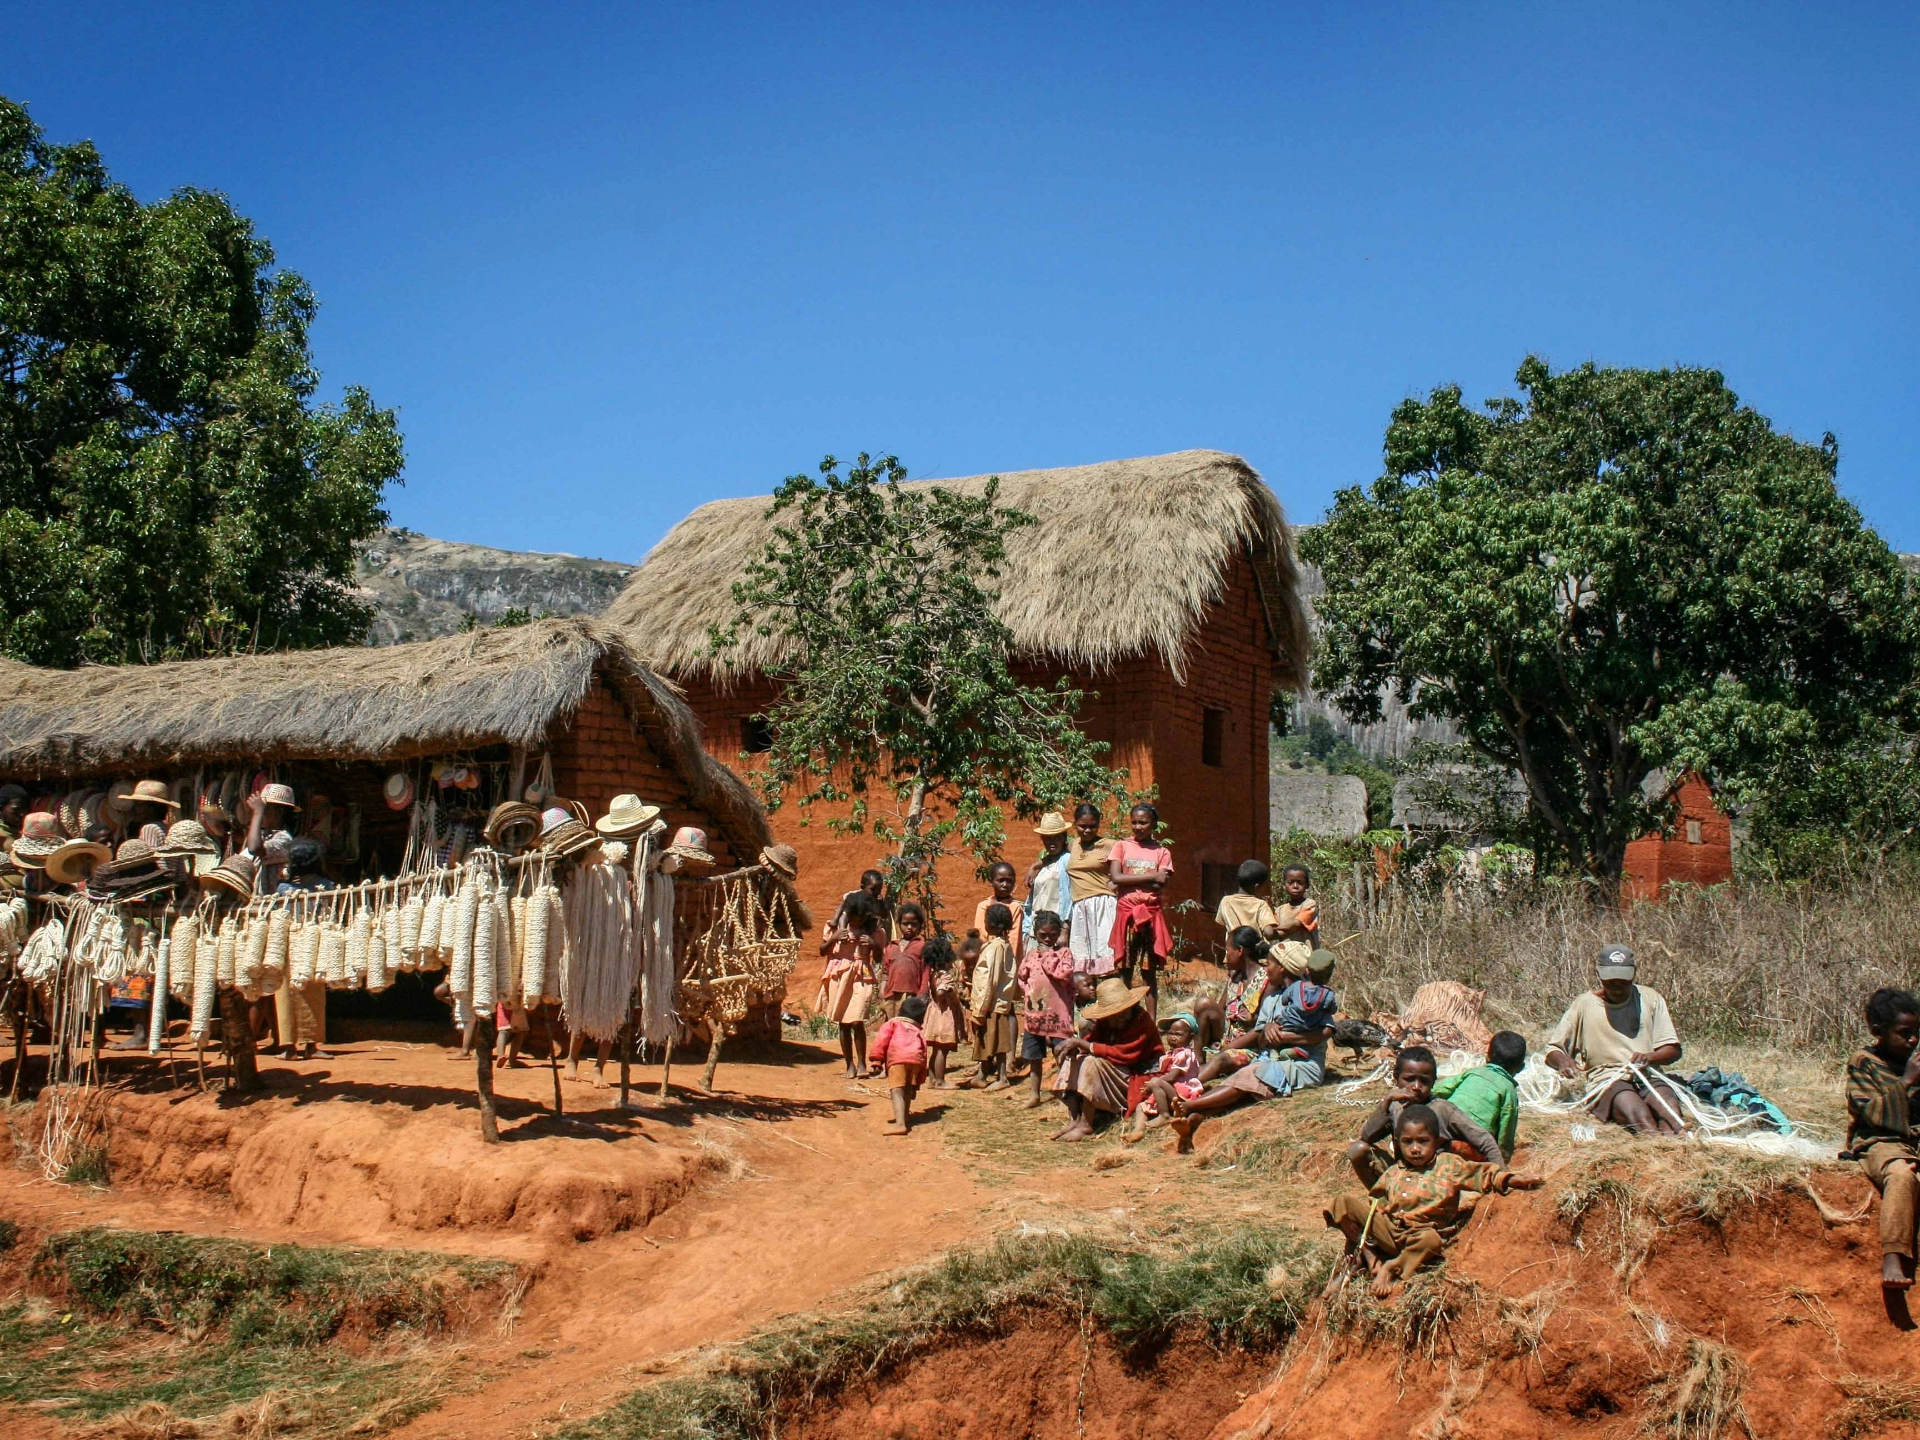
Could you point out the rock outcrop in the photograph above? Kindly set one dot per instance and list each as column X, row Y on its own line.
column 421, row 587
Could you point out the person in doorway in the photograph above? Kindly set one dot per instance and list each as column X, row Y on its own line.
column 900, row 1053
column 1140, row 868
column 1621, row 1033
column 1414, row 1072
column 1090, row 927
column 1881, row 1081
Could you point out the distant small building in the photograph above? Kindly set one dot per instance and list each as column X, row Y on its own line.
column 1318, row 804
column 1698, row 851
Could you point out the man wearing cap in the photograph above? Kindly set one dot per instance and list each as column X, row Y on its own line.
column 1622, row 1031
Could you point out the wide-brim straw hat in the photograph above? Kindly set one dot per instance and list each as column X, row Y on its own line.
column 75, row 860
column 188, row 839
column 569, row 837
column 783, row 860
column 509, row 815
column 235, row 873
column 93, row 810
column 690, row 844
column 627, row 815
column 1114, row 996
column 120, row 801
column 1052, row 823
column 398, row 790
column 39, row 837
column 150, row 792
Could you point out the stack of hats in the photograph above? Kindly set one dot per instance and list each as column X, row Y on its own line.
column 234, row 874
column 75, row 860
column 188, row 840
column 564, row 834
column 133, row 872
column 507, row 816
column 40, row 836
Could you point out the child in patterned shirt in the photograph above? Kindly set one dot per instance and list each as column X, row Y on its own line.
column 1414, row 1209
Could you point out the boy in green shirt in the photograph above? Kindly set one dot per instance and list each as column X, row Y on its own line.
column 1489, row 1094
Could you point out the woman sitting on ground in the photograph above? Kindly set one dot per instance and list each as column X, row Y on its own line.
column 1095, row 1069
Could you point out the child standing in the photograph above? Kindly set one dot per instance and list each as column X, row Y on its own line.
column 1178, row 1073
column 995, row 993
column 1880, row 1085
column 905, row 963
column 901, row 1050
column 1247, row 906
column 945, row 1024
column 1141, row 868
column 1298, row 918
column 1489, row 1094
column 1412, row 1210
column 853, row 951
column 1046, row 997
column 1002, row 878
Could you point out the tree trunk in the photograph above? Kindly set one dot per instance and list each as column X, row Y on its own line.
column 485, row 1032
column 713, row 1054
column 236, row 1037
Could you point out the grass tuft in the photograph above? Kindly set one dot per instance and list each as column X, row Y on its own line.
column 1874, row 1401
column 1700, row 1401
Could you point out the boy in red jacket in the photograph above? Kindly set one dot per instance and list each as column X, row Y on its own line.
column 901, row 1050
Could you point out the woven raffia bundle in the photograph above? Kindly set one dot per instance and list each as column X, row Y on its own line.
column 162, row 957
column 226, row 948
column 480, row 962
column 359, row 937
column 603, row 959
column 206, row 981
column 412, row 914
column 465, row 907
column 186, row 947
column 533, row 965
column 333, row 956
column 259, row 934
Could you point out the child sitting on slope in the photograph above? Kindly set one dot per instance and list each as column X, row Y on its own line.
column 1178, row 1073
column 1488, row 1094
column 1880, row 1085
column 1414, row 1208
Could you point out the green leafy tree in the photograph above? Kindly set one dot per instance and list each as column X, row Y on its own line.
column 1617, row 571
column 168, row 487
column 897, row 707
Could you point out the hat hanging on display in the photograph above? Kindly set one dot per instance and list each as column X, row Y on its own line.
column 569, row 837
column 783, row 860
column 278, row 795
column 188, row 840
column 235, row 873
column 398, row 791
column 151, row 792
column 627, row 815
column 120, row 801
column 690, row 844
column 75, row 860
column 68, row 813
column 1114, row 996
column 558, row 815
column 1052, row 823
column 132, row 873
column 40, row 836
column 93, row 810
column 510, row 815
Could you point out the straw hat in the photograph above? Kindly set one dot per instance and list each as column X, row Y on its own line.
column 75, row 860
column 188, row 839
column 509, row 815
column 1052, row 823
column 93, row 810
column 131, row 873
column 68, row 813
column 783, row 860
column 1113, row 996
column 398, row 791
column 278, row 795
column 627, row 815
column 235, row 873
column 567, row 838
column 119, row 808
column 690, row 844
column 39, row 837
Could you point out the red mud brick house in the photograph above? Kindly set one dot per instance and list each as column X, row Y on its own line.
column 1165, row 587
column 1698, row 851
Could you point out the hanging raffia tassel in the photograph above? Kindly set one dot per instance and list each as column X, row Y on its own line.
column 432, row 918
column 186, row 949
column 306, row 951
column 259, row 934
column 466, row 907
column 394, row 958
column 533, row 966
column 226, row 950
column 502, row 946
column 206, row 981
column 481, row 961
column 603, row 958
column 517, row 914
column 279, row 935
column 559, row 947
column 411, row 916
column 333, row 956
column 157, row 1017
column 359, row 937
column 377, row 977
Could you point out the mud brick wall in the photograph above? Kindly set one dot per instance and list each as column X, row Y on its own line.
column 1154, row 726
column 602, row 753
column 1698, row 851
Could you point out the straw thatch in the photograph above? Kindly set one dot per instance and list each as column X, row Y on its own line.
column 513, row 686
column 1126, row 559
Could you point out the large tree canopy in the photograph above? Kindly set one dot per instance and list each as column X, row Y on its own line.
column 168, row 486
column 897, row 707
column 1619, row 571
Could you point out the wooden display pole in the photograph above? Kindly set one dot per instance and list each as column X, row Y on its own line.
column 236, row 1038
column 485, row 1032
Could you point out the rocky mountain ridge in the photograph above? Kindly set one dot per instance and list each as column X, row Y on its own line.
column 421, row 588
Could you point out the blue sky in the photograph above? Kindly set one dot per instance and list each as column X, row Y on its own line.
column 611, row 261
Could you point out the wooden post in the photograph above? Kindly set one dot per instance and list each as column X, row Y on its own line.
column 713, row 1053
column 236, row 1037
column 17, row 991
column 485, row 1032
column 553, row 1058
column 626, row 1053
column 666, row 1065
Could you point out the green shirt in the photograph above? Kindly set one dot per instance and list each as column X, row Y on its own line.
column 1489, row 1096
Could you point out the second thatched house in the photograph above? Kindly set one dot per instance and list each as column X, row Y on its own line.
column 1166, row 587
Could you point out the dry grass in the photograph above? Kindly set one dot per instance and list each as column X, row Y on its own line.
column 1785, row 968
column 1702, row 1400
column 1873, row 1401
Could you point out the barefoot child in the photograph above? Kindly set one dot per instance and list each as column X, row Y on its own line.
column 995, row 994
column 900, row 1049
column 1141, row 868
column 1880, row 1085
column 1413, row 1074
column 1489, row 1094
column 1412, row 1210
column 946, row 1014
column 1246, row 988
column 906, row 968
column 1178, row 1073
column 847, row 981
column 1046, row 999
column 1002, row 878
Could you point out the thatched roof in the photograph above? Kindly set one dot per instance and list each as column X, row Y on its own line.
column 1169, row 526
column 488, row 687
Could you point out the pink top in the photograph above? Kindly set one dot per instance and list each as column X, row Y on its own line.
column 1046, row 989
column 1141, row 860
column 898, row 1042
column 1181, row 1063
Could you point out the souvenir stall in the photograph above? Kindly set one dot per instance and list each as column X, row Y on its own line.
column 522, row 819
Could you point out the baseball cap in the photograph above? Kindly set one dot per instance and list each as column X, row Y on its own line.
column 1616, row 962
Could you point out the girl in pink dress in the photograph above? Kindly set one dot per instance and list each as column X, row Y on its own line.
column 946, row 1020
column 1046, row 999
column 1141, row 868
column 847, row 982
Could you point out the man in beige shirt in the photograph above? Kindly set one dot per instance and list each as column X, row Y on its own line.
column 1622, row 1024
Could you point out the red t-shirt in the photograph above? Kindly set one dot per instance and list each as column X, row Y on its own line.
column 906, row 971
